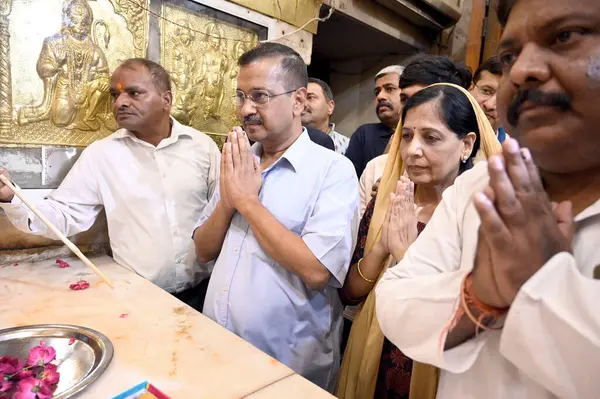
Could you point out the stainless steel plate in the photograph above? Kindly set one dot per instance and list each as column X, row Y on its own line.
column 79, row 364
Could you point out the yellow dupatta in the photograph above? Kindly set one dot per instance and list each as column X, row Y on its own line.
column 358, row 375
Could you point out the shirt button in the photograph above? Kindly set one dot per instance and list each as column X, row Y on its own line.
column 224, row 289
column 179, row 260
column 176, row 233
column 236, row 249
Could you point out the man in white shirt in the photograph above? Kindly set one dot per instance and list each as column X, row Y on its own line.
column 281, row 225
column 153, row 177
column 504, row 235
column 318, row 110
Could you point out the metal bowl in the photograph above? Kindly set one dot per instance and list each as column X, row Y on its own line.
column 79, row 364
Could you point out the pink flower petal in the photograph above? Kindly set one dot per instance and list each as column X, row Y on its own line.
column 80, row 285
column 41, row 355
column 124, row 315
column 10, row 365
column 15, row 264
column 72, row 341
column 62, row 264
column 5, row 385
column 49, row 376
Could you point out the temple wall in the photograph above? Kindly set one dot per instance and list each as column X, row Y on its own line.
column 40, row 143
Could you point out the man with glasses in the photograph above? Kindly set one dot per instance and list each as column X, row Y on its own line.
column 485, row 83
column 282, row 223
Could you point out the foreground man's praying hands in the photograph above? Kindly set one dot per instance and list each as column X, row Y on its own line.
column 503, row 245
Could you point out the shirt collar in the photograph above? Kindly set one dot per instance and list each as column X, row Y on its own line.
column 177, row 130
column 294, row 154
column 332, row 128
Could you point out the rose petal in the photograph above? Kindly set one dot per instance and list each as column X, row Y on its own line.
column 124, row 315
column 80, row 285
column 10, row 365
column 15, row 264
column 62, row 264
column 41, row 355
column 72, row 341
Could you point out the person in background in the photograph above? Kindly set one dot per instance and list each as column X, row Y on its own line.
column 370, row 140
column 321, row 138
column 318, row 110
column 442, row 130
column 153, row 177
column 501, row 290
column 484, row 87
column 421, row 71
column 424, row 70
column 281, row 225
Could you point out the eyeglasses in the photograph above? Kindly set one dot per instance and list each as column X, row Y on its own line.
column 487, row 91
column 258, row 97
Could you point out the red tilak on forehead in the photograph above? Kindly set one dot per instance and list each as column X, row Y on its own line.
column 120, row 87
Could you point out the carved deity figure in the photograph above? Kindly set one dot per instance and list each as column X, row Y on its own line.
column 238, row 49
column 184, row 73
column 75, row 73
column 213, row 66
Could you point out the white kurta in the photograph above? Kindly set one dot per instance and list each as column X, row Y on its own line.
column 550, row 344
column 152, row 196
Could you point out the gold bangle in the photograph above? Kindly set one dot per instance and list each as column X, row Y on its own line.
column 368, row 280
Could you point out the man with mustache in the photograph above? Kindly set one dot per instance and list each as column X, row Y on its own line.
column 282, row 223
column 318, row 110
column 370, row 140
column 501, row 290
column 153, row 177
column 484, row 87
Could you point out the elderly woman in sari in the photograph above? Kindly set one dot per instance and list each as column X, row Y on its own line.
column 442, row 129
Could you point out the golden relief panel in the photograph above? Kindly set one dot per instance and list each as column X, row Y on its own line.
column 199, row 53
column 54, row 86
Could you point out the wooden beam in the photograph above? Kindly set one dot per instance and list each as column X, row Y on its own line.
column 493, row 34
column 475, row 34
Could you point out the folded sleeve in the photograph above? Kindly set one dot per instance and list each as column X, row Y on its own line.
column 208, row 209
column 417, row 299
column 71, row 208
column 330, row 231
column 552, row 331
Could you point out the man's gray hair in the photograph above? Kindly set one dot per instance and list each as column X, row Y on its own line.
column 390, row 69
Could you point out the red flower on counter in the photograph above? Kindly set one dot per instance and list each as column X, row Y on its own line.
column 124, row 315
column 62, row 264
column 72, row 341
column 15, row 264
column 41, row 355
column 80, row 285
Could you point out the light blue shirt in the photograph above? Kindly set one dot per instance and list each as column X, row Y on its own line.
column 313, row 192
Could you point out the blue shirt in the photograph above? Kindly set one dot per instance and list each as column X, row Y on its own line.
column 313, row 192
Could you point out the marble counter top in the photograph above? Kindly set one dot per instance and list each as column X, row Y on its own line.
column 159, row 338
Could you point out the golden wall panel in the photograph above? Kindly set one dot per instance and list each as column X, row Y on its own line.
column 203, row 67
column 294, row 12
column 54, row 82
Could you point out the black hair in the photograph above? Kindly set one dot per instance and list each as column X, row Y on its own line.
column 503, row 10
column 428, row 69
column 160, row 76
column 293, row 74
column 492, row 65
column 455, row 110
column 324, row 86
